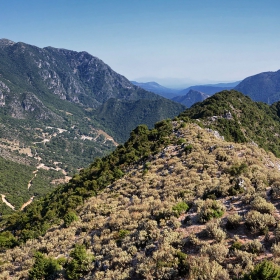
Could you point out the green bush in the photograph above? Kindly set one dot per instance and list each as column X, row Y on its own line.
column 7, row 240
column 266, row 270
column 79, row 264
column 183, row 266
column 210, row 209
column 237, row 170
column 188, row 149
column 180, row 207
column 44, row 268
column 123, row 233
column 236, row 245
column 70, row 217
column 181, row 141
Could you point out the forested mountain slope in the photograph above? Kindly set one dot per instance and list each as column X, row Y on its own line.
column 54, row 118
column 180, row 201
column 263, row 87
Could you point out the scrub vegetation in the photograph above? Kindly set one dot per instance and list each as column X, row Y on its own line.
column 174, row 202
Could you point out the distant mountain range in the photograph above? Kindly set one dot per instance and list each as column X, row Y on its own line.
column 170, row 93
column 158, row 89
column 184, row 96
column 263, row 87
column 210, row 89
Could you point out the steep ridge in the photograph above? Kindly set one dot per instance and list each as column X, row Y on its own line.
column 263, row 87
column 77, row 77
column 179, row 201
column 50, row 103
column 239, row 119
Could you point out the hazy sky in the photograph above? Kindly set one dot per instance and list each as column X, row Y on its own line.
column 169, row 41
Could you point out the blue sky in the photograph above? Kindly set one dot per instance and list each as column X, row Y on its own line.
column 173, row 42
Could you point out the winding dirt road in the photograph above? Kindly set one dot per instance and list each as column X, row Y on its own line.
column 7, row 202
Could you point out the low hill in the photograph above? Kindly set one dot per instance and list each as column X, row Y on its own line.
column 179, row 201
column 190, row 98
column 263, row 87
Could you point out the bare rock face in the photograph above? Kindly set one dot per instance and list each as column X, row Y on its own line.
column 2, row 99
column 4, row 87
column 32, row 104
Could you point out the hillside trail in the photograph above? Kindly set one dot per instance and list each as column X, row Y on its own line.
column 27, row 203
column 30, row 182
column 28, row 187
column 41, row 165
column 7, row 202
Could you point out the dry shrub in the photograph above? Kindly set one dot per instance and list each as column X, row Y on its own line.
column 277, row 232
column 203, row 268
column 253, row 246
column 275, row 249
column 275, row 188
column 216, row 252
column 215, row 231
column 233, row 220
column 260, row 204
column 245, row 259
column 259, row 222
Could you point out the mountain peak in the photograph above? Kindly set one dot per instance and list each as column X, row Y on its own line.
column 191, row 97
column 195, row 91
column 6, row 42
column 264, row 87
